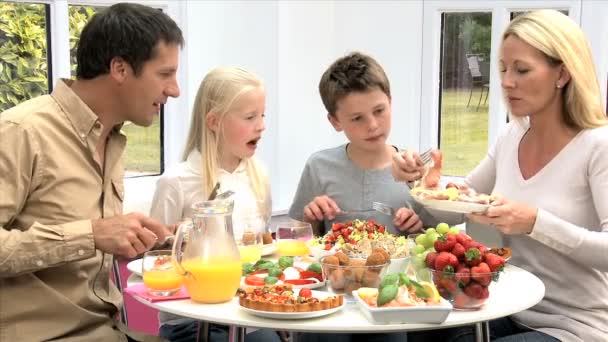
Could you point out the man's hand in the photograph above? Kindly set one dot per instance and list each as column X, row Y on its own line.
column 407, row 166
column 406, row 220
column 320, row 208
column 127, row 235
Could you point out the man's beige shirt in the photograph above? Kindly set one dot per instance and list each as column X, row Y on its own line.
column 54, row 284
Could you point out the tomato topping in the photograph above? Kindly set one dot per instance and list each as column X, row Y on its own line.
column 311, row 274
column 254, row 280
column 306, row 293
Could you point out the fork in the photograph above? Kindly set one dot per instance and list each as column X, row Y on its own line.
column 425, row 157
column 387, row 209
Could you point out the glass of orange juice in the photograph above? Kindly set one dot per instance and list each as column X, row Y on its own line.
column 249, row 239
column 292, row 238
column 160, row 277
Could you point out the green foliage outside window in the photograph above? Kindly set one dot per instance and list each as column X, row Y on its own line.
column 23, row 50
column 23, row 53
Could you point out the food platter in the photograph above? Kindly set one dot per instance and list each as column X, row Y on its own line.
column 297, row 315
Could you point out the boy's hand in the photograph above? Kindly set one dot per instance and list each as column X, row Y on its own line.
column 407, row 166
column 406, row 220
column 320, row 208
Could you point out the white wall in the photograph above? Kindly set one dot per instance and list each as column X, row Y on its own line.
column 289, row 44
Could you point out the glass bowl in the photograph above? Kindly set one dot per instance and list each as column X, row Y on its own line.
column 463, row 290
column 344, row 279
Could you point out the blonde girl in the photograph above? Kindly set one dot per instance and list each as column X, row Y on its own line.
column 226, row 127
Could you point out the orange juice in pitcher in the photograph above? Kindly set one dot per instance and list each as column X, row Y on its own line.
column 213, row 281
column 209, row 261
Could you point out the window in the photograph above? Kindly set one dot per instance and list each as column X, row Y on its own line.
column 24, row 67
column 464, row 90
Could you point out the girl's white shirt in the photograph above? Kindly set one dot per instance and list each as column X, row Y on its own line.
column 181, row 186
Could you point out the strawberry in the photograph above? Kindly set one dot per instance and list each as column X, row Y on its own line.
column 328, row 246
column 463, row 274
column 445, row 243
column 461, row 301
column 430, row 259
column 449, row 284
column 474, row 290
column 482, row 249
column 485, row 292
column 495, row 262
column 462, row 237
column 444, row 260
column 481, row 274
column 472, row 256
column 458, row 251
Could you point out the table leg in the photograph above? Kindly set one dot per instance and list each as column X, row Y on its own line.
column 293, row 336
column 236, row 334
column 202, row 334
column 482, row 332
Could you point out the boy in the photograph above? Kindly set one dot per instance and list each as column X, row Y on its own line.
column 356, row 93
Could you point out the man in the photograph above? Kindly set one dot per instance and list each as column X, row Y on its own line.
column 61, row 180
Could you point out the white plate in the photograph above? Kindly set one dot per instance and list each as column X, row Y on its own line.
column 297, row 315
column 269, row 249
column 307, row 286
column 301, row 264
column 407, row 314
column 135, row 266
column 453, row 206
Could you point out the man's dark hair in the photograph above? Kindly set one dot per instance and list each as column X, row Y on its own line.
column 354, row 72
column 126, row 30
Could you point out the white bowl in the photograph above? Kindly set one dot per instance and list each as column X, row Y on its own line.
column 407, row 314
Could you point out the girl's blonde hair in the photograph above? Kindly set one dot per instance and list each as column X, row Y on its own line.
column 562, row 41
column 218, row 92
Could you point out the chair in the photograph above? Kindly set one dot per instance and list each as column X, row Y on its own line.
column 480, row 70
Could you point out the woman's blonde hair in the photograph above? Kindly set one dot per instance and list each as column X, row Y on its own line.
column 562, row 41
column 218, row 92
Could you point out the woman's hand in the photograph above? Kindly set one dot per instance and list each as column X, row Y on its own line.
column 319, row 208
column 509, row 217
column 406, row 220
column 407, row 166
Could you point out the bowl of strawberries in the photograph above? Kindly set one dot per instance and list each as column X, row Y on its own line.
column 463, row 270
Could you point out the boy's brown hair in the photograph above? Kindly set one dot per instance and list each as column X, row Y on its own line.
column 354, row 72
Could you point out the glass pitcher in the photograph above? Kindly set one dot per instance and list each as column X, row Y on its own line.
column 209, row 260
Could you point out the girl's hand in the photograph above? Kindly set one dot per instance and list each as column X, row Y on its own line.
column 509, row 217
column 407, row 166
column 406, row 220
column 319, row 208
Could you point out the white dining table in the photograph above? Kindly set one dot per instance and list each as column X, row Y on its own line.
column 516, row 290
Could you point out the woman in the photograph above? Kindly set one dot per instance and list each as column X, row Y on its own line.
column 550, row 167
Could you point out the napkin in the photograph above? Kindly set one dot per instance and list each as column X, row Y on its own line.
column 140, row 290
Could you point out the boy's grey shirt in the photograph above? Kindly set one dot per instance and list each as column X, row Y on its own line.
column 331, row 172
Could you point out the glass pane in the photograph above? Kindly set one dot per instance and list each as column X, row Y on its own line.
column 465, row 53
column 144, row 144
column 24, row 70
